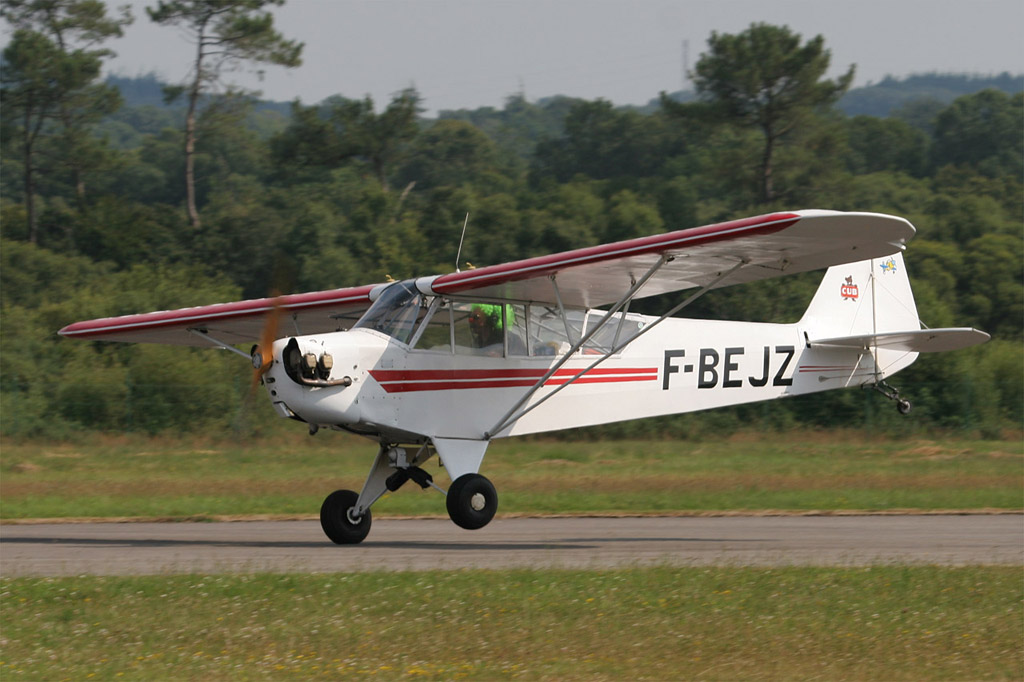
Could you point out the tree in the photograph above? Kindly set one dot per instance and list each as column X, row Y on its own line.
column 765, row 78
column 630, row 216
column 378, row 138
column 450, row 152
column 990, row 284
column 76, row 27
column 602, row 142
column 225, row 33
column 50, row 91
column 343, row 130
column 984, row 131
column 886, row 144
column 29, row 89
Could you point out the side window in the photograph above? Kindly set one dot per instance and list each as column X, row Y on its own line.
column 611, row 334
column 550, row 333
column 515, row 323
column 480, row 328
column 477, row 329
column 437, row 336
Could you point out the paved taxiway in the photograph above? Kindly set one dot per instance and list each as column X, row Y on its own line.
column 416, row 544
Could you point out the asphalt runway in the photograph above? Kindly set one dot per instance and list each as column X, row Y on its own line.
column 418, row 544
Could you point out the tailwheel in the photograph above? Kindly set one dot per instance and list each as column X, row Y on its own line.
column 472, row 501
column 903, row 405
column 338, row 522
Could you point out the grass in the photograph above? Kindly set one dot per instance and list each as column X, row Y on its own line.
column 160, row 478
column 887, row 622
column 879, row 623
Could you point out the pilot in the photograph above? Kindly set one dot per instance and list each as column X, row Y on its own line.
column 486, row 324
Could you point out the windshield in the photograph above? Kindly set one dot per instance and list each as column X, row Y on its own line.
column 395, row 313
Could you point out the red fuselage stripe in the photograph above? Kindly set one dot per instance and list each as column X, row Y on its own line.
column 384, row 375
column 407, row 387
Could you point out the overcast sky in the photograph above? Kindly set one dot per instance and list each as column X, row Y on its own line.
column 472, row 53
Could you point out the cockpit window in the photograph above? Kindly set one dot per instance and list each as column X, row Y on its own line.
column 396, row 312
column 478, row 328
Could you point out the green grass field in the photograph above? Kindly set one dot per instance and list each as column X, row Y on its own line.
column 887, row 622
column 160, row 478
column 880, row 623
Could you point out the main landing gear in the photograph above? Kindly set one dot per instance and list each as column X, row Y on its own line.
column 471, row 501
column 345, row 515
column 337, row 521
column 903, row 406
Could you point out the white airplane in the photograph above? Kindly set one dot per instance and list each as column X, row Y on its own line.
column 445, row 364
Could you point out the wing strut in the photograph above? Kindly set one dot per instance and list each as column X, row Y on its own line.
column 561, row 308
column 512, row 416
column 584, row 337
column 203, row 334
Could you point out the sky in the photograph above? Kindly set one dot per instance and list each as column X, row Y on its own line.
column 473, row 53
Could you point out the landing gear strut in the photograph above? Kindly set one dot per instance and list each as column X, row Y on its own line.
column 345, row 515
column 903, row 406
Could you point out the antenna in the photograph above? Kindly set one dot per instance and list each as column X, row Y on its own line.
column 458, row 255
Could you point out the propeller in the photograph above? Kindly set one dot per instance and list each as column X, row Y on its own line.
column 263, row 352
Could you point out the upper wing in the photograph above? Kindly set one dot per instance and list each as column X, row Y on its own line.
column 770, row 245
column 239, row 322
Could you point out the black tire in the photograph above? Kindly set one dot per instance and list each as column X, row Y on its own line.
column 472, row 501
column 903, row 406
column 335, row 522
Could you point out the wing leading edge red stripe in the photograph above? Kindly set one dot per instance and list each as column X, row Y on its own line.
column 218, row 312
column 404, row 381
column 534, row 267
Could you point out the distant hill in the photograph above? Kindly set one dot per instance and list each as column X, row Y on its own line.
column 144, row 112
column 143, row 98
column 148, row 90
column 140, row 91
column 881, row 99
column 892, row 94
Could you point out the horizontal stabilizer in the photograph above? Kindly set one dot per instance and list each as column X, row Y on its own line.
column 916, row 341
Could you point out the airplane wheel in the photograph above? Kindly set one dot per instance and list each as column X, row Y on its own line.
column 335, row 521
column 903, row 406
column 472, row 501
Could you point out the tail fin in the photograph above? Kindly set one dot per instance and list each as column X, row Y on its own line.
column 864, row 298
column 868, row 307
column 860, row 306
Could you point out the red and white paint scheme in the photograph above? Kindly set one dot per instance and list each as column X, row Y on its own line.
column 445, row 364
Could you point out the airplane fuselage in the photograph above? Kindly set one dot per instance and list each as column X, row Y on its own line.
column 683, row 365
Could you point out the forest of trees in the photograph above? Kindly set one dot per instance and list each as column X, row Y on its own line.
column 108, row 210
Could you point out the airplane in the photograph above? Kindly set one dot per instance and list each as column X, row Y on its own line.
column 447, row 363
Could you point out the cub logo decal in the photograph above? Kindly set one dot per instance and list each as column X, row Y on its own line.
column 849, row 291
